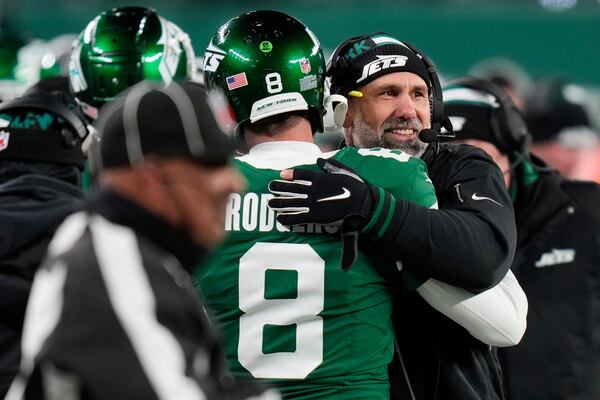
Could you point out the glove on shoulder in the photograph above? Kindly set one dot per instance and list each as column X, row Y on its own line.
column 337, row 196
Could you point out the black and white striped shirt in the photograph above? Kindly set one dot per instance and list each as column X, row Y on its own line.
column 113, row 315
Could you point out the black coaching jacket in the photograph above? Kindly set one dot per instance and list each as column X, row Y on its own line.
column 558, row 265
column 472, row 244
column 33, row 203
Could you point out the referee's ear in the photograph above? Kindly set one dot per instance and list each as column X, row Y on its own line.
column 151, row 172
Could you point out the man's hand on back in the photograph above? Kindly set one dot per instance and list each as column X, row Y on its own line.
column 336, row 196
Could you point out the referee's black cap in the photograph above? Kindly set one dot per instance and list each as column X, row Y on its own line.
column 181, row 120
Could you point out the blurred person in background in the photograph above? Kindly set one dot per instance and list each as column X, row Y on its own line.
column 40, row 59
column 24, row 62
column 507, row 74
column 113, row 313
column 394, row 101
column 559, row 117
column 40, row 167
column 120, row 47
column 558, row 251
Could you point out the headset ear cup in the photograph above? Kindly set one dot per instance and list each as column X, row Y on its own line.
column 437, row 103
column 437, row 116
column 514, row 131
column 336, row 107
column 519, row 128
column 508, row 125
column 525, row 143
column 498, row 127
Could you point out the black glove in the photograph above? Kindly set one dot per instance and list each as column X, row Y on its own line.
column 335, row 197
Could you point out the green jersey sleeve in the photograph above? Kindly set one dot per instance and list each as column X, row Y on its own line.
column 394, row 171
column 402, row 182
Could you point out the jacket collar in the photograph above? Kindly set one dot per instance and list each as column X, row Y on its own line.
column 123, row 211
column 538, row 201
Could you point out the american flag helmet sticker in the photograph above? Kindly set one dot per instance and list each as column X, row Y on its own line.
column 236, row 81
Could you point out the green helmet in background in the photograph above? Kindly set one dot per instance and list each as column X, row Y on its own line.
column 267, row 63
column 123, row 46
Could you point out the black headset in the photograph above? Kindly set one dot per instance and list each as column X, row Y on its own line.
column 54, row 102
column 508, row 125
column 338, row 63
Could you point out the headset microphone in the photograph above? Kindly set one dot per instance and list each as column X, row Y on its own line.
column 428, row 135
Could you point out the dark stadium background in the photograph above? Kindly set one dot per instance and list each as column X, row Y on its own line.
column 557, row 37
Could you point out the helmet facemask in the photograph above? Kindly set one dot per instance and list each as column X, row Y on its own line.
column 123, row 46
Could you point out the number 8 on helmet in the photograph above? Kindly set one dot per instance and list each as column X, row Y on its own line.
column 268, row 63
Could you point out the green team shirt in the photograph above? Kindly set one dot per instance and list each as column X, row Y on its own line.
column 287, row 311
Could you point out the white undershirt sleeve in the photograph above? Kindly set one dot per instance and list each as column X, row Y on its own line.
column 497, row 316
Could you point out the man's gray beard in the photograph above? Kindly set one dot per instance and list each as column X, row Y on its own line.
column 366, row 137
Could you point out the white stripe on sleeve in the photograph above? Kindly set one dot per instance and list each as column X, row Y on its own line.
column 45, row 303
column 134, row 303
column 44, row 309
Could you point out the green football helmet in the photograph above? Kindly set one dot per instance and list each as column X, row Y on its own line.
column 123, row 46
column 267, row 63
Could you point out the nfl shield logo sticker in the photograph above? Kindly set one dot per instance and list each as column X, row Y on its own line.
column 4, row 135
column 305, row 65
